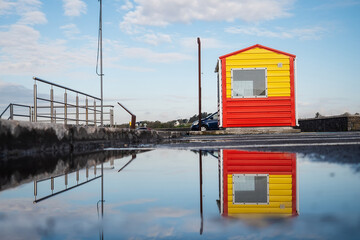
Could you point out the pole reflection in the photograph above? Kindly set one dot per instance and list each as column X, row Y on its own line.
column 201, row 193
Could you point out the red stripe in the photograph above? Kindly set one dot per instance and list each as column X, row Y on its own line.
column 259, row 162
column 268, row 169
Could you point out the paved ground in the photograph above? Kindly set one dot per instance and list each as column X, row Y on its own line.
column 340, row 146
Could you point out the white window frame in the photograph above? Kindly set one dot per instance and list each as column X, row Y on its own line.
column 247, row 69
column 250, row 175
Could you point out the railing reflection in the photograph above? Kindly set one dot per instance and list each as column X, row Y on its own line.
column 66, row 182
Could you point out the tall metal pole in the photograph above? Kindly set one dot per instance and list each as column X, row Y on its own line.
column 199, row 54
column 101, row 66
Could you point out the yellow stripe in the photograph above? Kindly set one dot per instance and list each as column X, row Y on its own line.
column 282, row 186
column 280, row 192
column 282, row 199
column 279, row 176
column 269, row 67
column 270, row 205
column 258, row 215
column 283, row 79
column 280, row 180
column 279, row 85
column 259, row 210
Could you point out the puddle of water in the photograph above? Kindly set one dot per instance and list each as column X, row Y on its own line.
column 158, row 194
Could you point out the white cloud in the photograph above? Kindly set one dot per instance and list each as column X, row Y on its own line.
column 163, row 12
column 155, row 38
column 6, row 6
column 33, row 17
column 151, row 56
column 22, row 53
column 70, row 30
column 311, row 33
column 74, row 8
column 28, row 10
column 23, row 6
column 127, row 6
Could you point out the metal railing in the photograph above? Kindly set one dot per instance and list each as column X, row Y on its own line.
column 20, row 113
column 69, row 111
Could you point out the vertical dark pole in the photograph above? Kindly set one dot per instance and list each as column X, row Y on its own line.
column 199, row 54
column 133, row 121
column 101, row 68
column 201, row 194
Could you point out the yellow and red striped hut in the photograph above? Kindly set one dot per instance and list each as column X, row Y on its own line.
column 256, row 88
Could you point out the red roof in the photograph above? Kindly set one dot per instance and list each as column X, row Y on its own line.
column 257, row 46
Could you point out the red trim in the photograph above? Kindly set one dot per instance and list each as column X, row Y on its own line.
column 223, row 79
column 292, row 92
column 259, row 46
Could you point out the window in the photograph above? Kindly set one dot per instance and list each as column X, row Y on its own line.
column 250, row 189
column 248, row 82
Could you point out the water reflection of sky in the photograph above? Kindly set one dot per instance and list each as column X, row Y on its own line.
column 157, row 196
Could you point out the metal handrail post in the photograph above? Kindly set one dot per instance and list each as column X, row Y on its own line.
column 65, row 108
column 11, row 111
column 52, row 104
column 94, row 112
column 35, row 102
column 111, row 117
column 87, row 111
column 77, row 109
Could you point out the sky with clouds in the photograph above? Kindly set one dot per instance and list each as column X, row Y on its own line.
column 150, row 50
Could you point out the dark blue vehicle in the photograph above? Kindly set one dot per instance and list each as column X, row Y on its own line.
column 208, row 123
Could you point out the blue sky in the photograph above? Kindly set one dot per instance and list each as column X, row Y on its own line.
column 150, row 50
